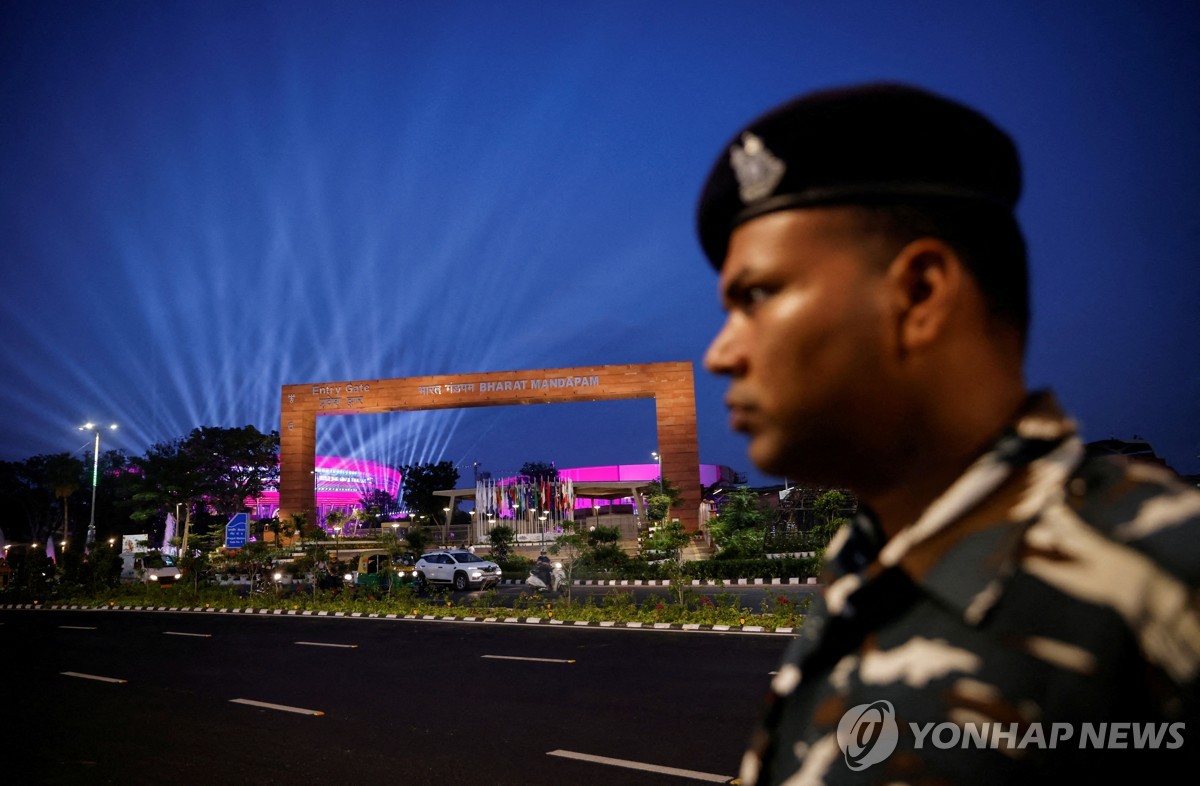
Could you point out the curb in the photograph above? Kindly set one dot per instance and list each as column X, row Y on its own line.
column 544, row 621
column 694, row 582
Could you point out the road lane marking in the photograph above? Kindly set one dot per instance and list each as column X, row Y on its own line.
column 280, row 707
column 78, row 627
column 637, row 765
column 535, row 660
column 95, row 677
column 179, row 633
column 324, row 644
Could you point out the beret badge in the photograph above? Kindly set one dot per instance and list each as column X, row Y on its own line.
column 758, row 171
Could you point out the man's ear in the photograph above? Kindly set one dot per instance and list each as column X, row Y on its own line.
column 926, row 279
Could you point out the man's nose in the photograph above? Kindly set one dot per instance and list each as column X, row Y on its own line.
column 722, row 356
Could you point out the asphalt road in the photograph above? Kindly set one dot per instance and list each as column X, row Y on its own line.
column 401, row 701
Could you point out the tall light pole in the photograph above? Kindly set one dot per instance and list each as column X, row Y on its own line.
column 658, row 458
column 91, row 530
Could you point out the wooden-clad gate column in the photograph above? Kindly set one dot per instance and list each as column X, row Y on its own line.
column 678, row 444
column 297, row 465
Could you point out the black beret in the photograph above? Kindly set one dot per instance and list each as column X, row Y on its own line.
column 866, row 144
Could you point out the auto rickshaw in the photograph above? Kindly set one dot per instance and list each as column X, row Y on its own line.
column 374, row 568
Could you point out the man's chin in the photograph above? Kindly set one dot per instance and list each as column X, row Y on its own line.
column 766, row 456
column 775, row 459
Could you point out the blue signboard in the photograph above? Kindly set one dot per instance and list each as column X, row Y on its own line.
column 235, row 532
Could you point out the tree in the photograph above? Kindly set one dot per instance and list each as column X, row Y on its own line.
column 168, row 477
column 364, row 519
column 196, row 563
column 603, row 549
column 32, row 572
column 27, row 497
column 235, row 464
column 663, row 486
column 63, row 475
column 572, row 543
column 102, row 568
column 417, row 538
column 501, row 539
column 334, row 519
column 740, row 527
column 828, row 512
column 420, row 483
column 539, row 470
column 670, row 537
column 280, row 529
column 380, row 503
column 211, row 468
column 659, row 496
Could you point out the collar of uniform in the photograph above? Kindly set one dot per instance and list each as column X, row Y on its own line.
column 964, row 546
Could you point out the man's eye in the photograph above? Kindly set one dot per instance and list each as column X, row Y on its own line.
column 756, row 295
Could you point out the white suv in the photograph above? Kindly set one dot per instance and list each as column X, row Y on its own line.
column 458, row 568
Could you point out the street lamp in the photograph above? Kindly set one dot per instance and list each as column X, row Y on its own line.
column 395, row 536
column 337, row 540
column 658, row 458
column 542, row 518
column 91, row 530
column 446, row 531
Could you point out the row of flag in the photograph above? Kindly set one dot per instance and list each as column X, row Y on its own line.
column 514, row 497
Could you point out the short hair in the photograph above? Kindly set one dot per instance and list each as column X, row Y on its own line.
column 988, row 241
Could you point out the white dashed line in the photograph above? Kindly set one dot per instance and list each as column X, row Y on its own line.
column 77, row 627
column 178, row 633
column 324, row 644
column 91, row 677
column 535, row 660
column 637, row 765
column 280, row 707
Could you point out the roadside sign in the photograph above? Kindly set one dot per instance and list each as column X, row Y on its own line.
column 134, row 544
column 235, row 532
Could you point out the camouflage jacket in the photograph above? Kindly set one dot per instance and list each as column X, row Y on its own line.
column 1038, row 623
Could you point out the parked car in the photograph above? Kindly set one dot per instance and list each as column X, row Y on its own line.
column 149, row 567
column 458, row 568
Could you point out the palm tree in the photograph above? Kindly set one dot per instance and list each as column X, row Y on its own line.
column 334, row 519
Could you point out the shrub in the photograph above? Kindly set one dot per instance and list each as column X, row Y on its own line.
column 515, row 567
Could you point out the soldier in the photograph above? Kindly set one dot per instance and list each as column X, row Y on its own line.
column 1002, row 608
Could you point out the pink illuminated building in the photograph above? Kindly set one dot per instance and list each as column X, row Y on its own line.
column 341, row 484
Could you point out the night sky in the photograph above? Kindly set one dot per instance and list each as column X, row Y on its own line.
column 203, row 201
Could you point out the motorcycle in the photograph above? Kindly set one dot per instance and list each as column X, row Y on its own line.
column 557, row 581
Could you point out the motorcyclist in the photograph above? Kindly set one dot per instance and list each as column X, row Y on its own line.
column 542, row 569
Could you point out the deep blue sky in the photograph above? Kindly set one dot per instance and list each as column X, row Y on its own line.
column 202, row 201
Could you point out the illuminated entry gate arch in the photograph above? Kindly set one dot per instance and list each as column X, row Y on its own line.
column 670, row 385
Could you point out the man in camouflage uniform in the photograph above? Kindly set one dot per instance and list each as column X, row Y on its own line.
column 1003, row 608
